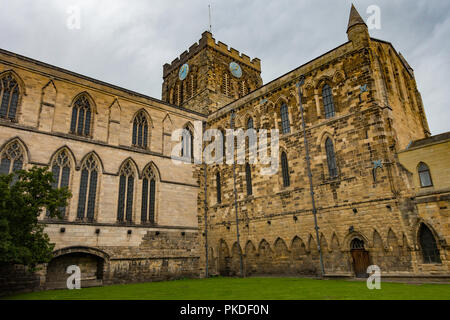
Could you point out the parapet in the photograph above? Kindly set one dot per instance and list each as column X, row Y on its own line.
column 208, row 40
column 241, row 58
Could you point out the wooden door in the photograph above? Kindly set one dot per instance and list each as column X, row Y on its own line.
column 360, row 262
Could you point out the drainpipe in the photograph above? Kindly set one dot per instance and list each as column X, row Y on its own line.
column 235, row 203
column 308, row 167
column 205, row 204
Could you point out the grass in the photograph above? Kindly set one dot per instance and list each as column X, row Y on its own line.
column 247, row 289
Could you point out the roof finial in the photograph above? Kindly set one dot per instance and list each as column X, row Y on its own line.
column 354, row 18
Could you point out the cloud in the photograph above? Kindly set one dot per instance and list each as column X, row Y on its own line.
column 127, row 42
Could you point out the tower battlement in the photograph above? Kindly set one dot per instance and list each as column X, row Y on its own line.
column 208, row 40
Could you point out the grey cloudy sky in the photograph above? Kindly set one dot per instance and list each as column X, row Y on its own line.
column 126, row 42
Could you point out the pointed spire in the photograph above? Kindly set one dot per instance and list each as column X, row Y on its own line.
column 354, row 18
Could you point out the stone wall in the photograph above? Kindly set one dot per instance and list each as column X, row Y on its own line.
column 159, row 255
column 369, row 199
column 17, row 278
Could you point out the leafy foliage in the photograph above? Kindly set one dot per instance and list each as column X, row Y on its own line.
column 24, row 195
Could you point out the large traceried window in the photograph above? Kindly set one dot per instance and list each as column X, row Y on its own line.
column 430, row 251
column 285, row 169
column 140, row 130
column 331, row 158
column 248, row 179
column 126, row 192
column 328, row 103
column 9, row 97
column 12, row 158
column 424, row 175
column 61, row 174
column 88, row 189
column 285, row 124
column 148, row 196
column 80, row 123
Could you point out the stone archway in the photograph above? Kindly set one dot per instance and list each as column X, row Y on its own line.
column 224, row 258
column 92, row 264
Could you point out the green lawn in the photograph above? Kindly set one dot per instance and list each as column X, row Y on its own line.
column 248, row 288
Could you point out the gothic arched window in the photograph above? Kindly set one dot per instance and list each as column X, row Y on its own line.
column 9, row 97
column 424, row 175
column 61, row 174
column 218, row 188
column 430, row 251
column 187, row 146
column 12, row 158
column 248, row 179
column 140, row 130
column 328, row 103
column 285, row 124
column 148, row 196
column 81, row 117
column 88, row 189
column 250, row 123
column 126, row 192
column 285, row 169
column 331, row 158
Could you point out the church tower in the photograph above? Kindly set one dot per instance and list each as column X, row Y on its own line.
column 209, row 75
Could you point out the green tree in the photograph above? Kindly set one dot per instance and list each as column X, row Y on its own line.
column 23, row 196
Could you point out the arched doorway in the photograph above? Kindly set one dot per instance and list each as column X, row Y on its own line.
column 360, row 258
column 91, row 266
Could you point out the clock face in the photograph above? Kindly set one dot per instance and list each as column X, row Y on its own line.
column 235, row 69
column 183, row 71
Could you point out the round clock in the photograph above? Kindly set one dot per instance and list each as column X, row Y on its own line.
column 183, row 71
column 235, row 69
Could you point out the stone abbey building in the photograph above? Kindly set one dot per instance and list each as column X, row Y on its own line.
column 381, row 196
